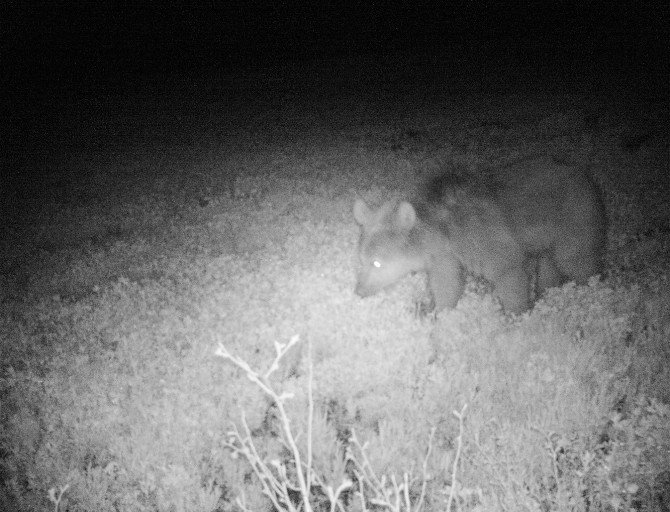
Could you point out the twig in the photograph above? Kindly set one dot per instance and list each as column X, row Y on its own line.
column 454, row 483
column 425, row 471
column 279, row 400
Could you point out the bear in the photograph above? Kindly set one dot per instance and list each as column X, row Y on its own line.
column 524, row 227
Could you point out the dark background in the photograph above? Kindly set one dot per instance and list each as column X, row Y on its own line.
column 73, row 42
column 67, row 68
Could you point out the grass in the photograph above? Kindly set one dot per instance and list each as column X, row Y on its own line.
column 172, row 226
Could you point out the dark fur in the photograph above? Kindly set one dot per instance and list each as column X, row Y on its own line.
column 529, row 226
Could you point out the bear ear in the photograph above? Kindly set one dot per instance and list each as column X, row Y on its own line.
column 406, row 215
column 361, row 212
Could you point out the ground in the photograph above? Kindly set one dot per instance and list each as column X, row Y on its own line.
column 146, row 224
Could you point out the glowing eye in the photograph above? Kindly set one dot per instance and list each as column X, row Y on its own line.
column 376, row 264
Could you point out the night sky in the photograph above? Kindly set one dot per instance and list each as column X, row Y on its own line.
column 77, row 41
